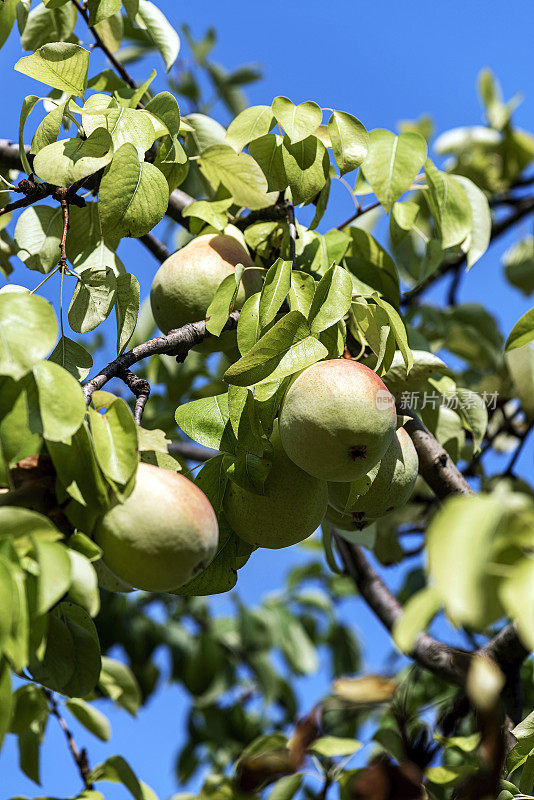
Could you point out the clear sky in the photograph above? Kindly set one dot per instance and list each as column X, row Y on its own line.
column 381, row 61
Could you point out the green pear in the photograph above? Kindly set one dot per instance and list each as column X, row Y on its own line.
column 390, row 488
column 290, row 510
column 337, row 420
column 186, row 282
column 162, row 535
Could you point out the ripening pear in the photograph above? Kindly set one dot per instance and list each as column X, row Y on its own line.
column 162, row 535
column 337, row 420
column 186, row 282
column 390, row 488
column 290, row 510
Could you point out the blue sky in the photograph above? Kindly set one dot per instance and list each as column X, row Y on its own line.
column 381, row 61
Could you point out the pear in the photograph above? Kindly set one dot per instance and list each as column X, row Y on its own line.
column 390, row 488
column 290, row 510
column 337, row 420
column 186, row 282
column 162, row 535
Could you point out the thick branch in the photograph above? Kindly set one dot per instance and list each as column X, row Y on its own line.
column 191, row 452
column 156, row 247
column 140, row 388
column 176, row 343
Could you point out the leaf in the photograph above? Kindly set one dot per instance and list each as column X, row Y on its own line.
column 28, row 331
column 478, row 240
column 425, row 364
column 214, row 212
column 70, row 160
column 28, row 104
column 223, row 302
column 207, row 421
column 307, row 167
column 519, row 265
column 474, row 414
column 391, row 164
column 403, row 216
column 267, row 152
column 117, row 770
column 61, row 401
column 449, row 206
column 126, row 308
column 286, row 348
column 294, row 642
column 46, row 25
column 369, row 689
column 298, row 122
column 86, row 650
column 37, row 235
column 164, row 107
column 250, row 124
column 274, row 291
column 332, row 746
column 7, row 18
column 160, row 31
column 102, row 9
column 90, row 717
column 332, row 299
column 115, row 441
column 54, row 574
column 522, row 333
column 124, row 125
column 350, row 140
column 399, row 330
column 6, row 698
column 133, row 195
column 417, row 615
column 520, row 365
column 83, row 588
column 238, row 173
column 248, row 325
column 61, row 65
column 301, row 292
column 50, row 127
column 118, row 682
column 92, row 300
column 221, row 574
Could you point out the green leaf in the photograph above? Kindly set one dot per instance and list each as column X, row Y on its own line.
column 403, row 216
column 115, row 441
column 286, row 788
column 307, row 167
column 479, row 238
column 6, row 698
column 69, row 160
column 61, row 65
column 298, row 122
column 267, row 152
column 372, row 267
column 88, row 249
column 37, row 235
column 207, row 421
column 517, row 596
column 332, row 299
column 102, row 9
column 73, row 357
column 84, row 582
column 50, row 127
column 238, row 173
column 417, row 615
column 522, row 333
column 350, row 140
column 223, row 302
column 46, row 25
column 449, row 206
column 126, row 308
column 391, row 164
column 301, row 292
column 92, row 300
column 61, row 401
column 472, row 409
column 160, row 31
column 519, row 265
column 86, row 650
column 248, row 325
column 118, row 682
column 164, row 107
column 297, row 647
column 251, row 124
column 125, row 125
column 520, row 364
column 28, row 331
column 91, row 718
column 399, row 330
column 332, row 746
column 54, row 573
column 286, row 348
column 28, row 104
column 133, row 195
column 425, row 364
column 214, row 212
column 116, row 770
column 7, row 18
column 274, row 291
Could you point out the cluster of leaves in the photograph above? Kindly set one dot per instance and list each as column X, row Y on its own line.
column 323, row 294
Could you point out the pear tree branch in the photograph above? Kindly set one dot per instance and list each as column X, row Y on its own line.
column 79, row 756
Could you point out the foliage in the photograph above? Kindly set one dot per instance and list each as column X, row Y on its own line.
column 103, row 164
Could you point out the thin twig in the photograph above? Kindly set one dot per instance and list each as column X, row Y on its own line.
column 358, row 213
column 522, row 439
column 79, row 756
column 140, row 388
column 292, row 235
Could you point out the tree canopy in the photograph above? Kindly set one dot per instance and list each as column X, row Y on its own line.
column 216, row 400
